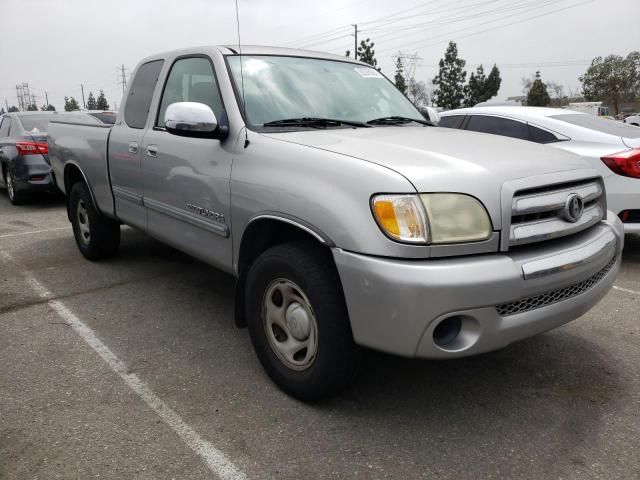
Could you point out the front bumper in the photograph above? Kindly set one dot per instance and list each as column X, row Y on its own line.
column 395, row 305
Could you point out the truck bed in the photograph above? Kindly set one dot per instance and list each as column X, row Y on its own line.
column 84, row 145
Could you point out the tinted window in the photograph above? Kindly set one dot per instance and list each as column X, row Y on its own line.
column 140, row 94
column 191, row 80
column 603, row 125
column 4, row 127
column 539, row 135
column 451, row 121
column 497, row 126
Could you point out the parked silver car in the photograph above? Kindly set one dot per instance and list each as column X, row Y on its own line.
column 347, row 219
column 612, row 148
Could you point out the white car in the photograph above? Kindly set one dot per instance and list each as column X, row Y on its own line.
column 612, row 148
column 633, row 120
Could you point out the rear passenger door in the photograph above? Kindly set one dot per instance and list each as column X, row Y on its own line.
column 186, row 179
column 125, row 145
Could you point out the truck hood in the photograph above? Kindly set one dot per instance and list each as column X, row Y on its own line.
column 445, row 160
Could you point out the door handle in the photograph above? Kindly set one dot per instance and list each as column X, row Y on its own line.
column 133, row 147
column 152, row 150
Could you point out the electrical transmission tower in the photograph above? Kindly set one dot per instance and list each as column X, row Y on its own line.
column 25, row 97
column 122, row 76
column 409, row 63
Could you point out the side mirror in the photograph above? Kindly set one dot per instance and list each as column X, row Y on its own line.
column 190, row 119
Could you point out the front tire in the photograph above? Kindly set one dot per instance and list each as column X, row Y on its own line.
column 298, row 321
column 97, row 236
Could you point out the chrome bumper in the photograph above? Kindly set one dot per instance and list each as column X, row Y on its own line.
column 396, row 305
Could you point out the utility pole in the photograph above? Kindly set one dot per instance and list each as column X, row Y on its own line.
column 83, row 104
column 46, row 97
column 6, row 104
column 355, row 42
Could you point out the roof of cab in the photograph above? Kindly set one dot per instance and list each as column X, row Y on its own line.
column 252, row 50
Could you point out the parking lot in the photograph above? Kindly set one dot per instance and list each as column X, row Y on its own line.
column 133, row 368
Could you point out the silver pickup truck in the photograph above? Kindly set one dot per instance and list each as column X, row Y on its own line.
column 347, row 219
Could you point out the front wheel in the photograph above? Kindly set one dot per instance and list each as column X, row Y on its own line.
column 298, row 321
column 97, row 236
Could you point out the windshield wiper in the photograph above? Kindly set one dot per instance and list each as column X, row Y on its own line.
column 396, row 120
column 313, row 122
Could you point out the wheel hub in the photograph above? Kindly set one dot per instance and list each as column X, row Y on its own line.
column 298, row 321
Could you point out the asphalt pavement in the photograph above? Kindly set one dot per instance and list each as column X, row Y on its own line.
column 132, row 368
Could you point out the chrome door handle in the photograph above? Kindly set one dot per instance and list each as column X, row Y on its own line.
column 152, row 150
column 133, row 147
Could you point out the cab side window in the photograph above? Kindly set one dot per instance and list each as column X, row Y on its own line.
column 4, row 127
column 498, row 126
column 136, row 110
column 191, row 80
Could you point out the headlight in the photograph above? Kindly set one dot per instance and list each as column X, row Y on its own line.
column 402, row 217
column 456, row 218
column 432, row 218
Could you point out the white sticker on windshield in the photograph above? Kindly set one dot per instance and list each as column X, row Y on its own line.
column 368, row 72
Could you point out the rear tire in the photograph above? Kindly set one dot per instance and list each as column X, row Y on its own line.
column 97, row 236
column 16, row 197
column 298, row 321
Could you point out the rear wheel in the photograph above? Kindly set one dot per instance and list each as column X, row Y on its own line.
column 97, row 236
column 16, row 197
column 298, row 321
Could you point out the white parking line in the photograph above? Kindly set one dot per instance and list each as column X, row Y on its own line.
column 19, row 234
column 627, row 290
column 216, row 460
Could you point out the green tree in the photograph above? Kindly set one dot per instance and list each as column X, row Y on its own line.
column 2, row 112
column 474, row 91
column 102, row 103
column 399, row 78
column 449, row 84
column 32, row 108
column 492, row 84
column 367, row 54
column 70, row 104
column 612, row 79
column 13, row 108
column 91, row 102
column 538, row 95
column 48, row 108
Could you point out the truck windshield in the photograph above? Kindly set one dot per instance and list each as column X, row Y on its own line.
column 281, row 88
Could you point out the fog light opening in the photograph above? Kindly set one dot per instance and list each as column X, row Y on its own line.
column 447, row 331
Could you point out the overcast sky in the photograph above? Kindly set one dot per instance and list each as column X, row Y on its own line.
column 55, row 45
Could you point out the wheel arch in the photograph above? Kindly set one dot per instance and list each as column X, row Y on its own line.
column 261, row 233
column 71, row 175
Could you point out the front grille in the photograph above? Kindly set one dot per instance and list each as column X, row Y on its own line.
column 554, row 296
column 539, row 214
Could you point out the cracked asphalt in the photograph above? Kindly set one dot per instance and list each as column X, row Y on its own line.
column 562, row 405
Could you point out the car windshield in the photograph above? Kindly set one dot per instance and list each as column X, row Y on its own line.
column 280, row 88
column 598, row 124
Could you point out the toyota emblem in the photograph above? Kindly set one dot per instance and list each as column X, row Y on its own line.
column 574, row 208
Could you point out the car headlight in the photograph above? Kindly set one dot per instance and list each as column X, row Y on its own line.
column 432, row 218
column 456, row 218
column 402, row 217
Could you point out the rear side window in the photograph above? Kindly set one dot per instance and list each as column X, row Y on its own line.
column 451, row 121
column 4, row 127
column 139, row 99
column 539, row 135
column 498, row 126
column 191, row 80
